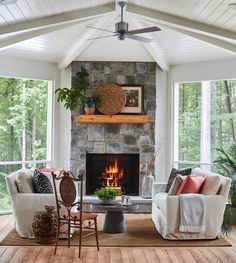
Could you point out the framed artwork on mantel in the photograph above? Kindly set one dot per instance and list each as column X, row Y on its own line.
column 134, row 99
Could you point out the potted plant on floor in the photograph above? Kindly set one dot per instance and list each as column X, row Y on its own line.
column 226, row 162
column 77, row 95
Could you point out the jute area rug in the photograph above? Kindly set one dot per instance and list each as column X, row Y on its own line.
column 140, row 232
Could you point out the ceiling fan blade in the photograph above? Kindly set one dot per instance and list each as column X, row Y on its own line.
column 144, row 30
column 100, row 29
column 100, row 37
column 142, row 39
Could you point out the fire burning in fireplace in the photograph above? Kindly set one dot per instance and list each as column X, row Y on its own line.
column 112, row 176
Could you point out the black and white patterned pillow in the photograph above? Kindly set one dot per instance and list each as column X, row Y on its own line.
column 174, row 173
column 41, row 183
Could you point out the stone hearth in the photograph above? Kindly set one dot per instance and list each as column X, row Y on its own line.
column 116, row 138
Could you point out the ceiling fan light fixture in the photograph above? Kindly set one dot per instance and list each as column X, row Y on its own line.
column 121, row 36
column 121, row 27
column 233, row 5
column 6, row 2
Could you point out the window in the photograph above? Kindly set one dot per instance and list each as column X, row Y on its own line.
column 25, row 112
column 205, row 118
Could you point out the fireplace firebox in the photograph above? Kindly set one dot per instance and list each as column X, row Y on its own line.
column 119, row 171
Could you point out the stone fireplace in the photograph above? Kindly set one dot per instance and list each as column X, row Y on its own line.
column 115, row 139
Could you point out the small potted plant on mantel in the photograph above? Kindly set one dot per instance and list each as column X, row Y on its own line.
column 90, row 106
column 77, row 95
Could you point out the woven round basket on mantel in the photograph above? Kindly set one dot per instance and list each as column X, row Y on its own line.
column 112, row 98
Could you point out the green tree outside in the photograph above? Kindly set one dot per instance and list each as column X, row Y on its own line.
column 222, row 118
column 23, row 120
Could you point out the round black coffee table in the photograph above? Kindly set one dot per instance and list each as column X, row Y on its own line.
column 114, row 219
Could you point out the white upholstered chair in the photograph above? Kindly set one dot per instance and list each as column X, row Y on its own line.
column 166, row 215
column 24, row 205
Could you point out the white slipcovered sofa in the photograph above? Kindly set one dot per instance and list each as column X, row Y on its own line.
column 166, row 214
column 24, row 205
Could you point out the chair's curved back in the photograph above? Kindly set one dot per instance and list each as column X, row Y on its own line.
column 66, row 194
column 66, row 197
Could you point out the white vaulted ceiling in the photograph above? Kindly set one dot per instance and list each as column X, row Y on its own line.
column 58, row 31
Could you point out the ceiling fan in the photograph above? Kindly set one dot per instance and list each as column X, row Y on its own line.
column 122, row 29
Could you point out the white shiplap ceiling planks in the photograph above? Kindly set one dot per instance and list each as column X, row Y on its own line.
column 56, row 31
column 6, row 15
column 180, row 48
column 116, row 50
column 206, row 11
column 49, row 47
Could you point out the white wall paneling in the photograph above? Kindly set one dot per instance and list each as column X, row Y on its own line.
column 161, row 121
column 65, row 124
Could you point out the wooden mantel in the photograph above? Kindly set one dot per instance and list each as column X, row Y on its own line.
column 112, row 118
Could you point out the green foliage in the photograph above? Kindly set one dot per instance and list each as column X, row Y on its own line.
column 77, row 95
column 232, row 192
column 222, row 118
column 226, row 227
column 5, row 200
column 107, row 193
column 226, row 162
column 189, row 120
column 23, row 127
column 23, row 114
column 77, row 92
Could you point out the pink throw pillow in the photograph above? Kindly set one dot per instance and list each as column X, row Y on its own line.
column 192, row 184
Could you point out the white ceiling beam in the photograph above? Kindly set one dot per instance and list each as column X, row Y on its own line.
column 153, row 49
column 63, row 18
column 83, row 42
column 157, row 54
column 182, row 23
column 13, row 40
column 230, row 47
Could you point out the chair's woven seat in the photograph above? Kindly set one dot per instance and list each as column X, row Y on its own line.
column 85, row 216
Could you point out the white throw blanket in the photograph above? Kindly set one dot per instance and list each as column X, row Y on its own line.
column 192, row 213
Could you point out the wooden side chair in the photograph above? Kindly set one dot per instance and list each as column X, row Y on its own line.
column 69, row 210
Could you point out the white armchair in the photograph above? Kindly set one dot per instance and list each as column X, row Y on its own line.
column 166, row 215
column 24, row 205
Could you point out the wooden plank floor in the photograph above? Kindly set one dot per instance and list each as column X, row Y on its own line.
column 114, row 255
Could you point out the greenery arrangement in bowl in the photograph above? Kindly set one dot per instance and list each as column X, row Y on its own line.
column 107, row 194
